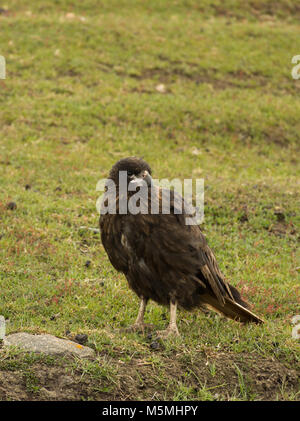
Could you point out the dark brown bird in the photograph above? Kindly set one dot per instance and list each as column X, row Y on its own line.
column 162, row 258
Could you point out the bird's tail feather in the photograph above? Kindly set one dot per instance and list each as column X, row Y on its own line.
column 237, row 296
column 231, row 309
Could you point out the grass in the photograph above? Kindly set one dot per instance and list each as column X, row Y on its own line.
column 80, row 93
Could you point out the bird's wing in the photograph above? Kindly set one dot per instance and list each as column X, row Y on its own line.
column 211, row 273
column 165, row 241
column 111, row 236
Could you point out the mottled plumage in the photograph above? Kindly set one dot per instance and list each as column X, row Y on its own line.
column 164, row 259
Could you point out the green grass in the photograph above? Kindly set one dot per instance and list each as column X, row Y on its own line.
column 80, row 93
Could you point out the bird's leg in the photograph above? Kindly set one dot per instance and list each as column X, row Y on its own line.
column 172, row 328
column 140, row 317
column 139, row 324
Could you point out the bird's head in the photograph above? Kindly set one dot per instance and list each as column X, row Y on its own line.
column 137, row 171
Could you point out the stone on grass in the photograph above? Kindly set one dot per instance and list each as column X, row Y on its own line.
column 48, row 344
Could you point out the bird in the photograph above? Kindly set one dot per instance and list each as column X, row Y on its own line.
column 163, row 258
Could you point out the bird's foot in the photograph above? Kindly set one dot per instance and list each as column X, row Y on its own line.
column 166, row 333
column 139, row 327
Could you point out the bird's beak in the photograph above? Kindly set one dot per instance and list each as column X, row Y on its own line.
column 144, row 179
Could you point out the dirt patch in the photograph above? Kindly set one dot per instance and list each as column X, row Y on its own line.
column 188, row 71
column 43, row 383
column 221, row 374
column 170, row 71
column 200, row 76
column 263, row 10
column 282, row 229
column 249, row 375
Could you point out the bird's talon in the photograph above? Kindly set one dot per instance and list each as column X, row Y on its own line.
column 166, row 333
column 139, row 327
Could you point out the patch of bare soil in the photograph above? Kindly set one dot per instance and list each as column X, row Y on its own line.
column 200, row 76
column 176, row 70
column 45, row 383
column 250, row 375
column 244, row 376
column 281, row 229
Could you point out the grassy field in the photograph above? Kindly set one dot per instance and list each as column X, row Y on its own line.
column 81, row 91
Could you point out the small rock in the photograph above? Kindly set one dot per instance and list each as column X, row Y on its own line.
column 81, row 338
column 196, row 151
column 279, row 214
column 47, row 344
column 11, row 206
column 243, row 218
column 161, row 88
column 70, row 15
column 154, row 345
